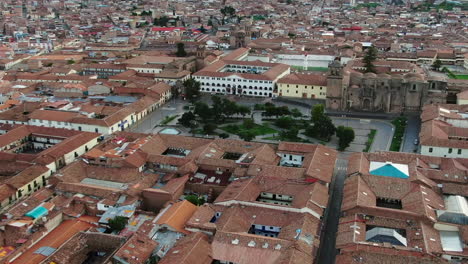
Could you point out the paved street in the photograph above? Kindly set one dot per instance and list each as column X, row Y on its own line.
column 174, row 107
column 362, row 128
column 412, row 132
column 327, row 252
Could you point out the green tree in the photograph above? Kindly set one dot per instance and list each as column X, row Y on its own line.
column 181, row 50
column 296, row 113
column 195, row 199
column 322, row 124
column 248, row 123
column 69, row 62
column 192, row 89
column 203, row 111
column 162, row 21
column 289, row 134
column 217, row 108
column 229, row 107
column 284, row 122
column 247, row 135
column 227, row 11
column 345, row 137
column 209, row 128
column 259, row 107
column 318, row 111
column 203, row 29
column 437, row 64
column 118, row 223
column 243, row 110
column 187, row 119
column 224, row 135
column 369, row 58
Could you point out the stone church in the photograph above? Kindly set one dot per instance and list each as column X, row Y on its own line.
column 397, row 87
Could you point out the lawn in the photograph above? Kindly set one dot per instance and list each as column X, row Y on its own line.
column 370, row 139
column 257, row 130
column 168, row 119
column 461, row 76
column 319, row 69
column 400, row 125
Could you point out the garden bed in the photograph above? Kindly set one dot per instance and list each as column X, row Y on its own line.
column 400, row 125
column 257, row 130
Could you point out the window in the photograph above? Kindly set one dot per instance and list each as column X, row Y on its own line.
column 430, row 150
column 459, row 151
column 450, row 150
column 389, row 203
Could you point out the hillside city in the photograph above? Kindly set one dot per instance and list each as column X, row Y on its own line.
column 233, row 132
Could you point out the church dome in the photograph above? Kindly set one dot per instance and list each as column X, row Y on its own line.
column 413, row 76
column 355, row 78
column 384, row 76
column 370, row 75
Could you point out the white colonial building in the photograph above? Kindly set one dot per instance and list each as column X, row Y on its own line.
column 250, row 78
column 444, row 131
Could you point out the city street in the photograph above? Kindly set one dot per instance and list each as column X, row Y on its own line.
column 362, row 127
column 327, row 250
column 147, row 124
column 411, row 133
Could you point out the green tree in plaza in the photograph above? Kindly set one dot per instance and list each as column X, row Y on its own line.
column 318, row 111
column 192, row 90
column 345, row 137
column 209, row 128
column 322, row 124
column 296, row 113
column 181, row 50
column 203, row 111
column 284, row 122
column 369, row 58
column 437, row 64
column 187, row 119
column 223, row 108
column 289, row 134
column 248, row 123
column 247, row 135
column 223, row 135
column 243, row 110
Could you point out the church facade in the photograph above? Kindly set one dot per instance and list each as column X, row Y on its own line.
column 397, row 87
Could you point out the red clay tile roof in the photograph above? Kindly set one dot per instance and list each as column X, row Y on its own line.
column 194, row 248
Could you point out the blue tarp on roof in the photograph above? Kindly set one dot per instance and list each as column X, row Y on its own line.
column 45, row 251
column 389, row 171
column 37, row 212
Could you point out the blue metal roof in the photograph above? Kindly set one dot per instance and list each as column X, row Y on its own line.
column 45, row 251
column 37, row 212
column 389, row 170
